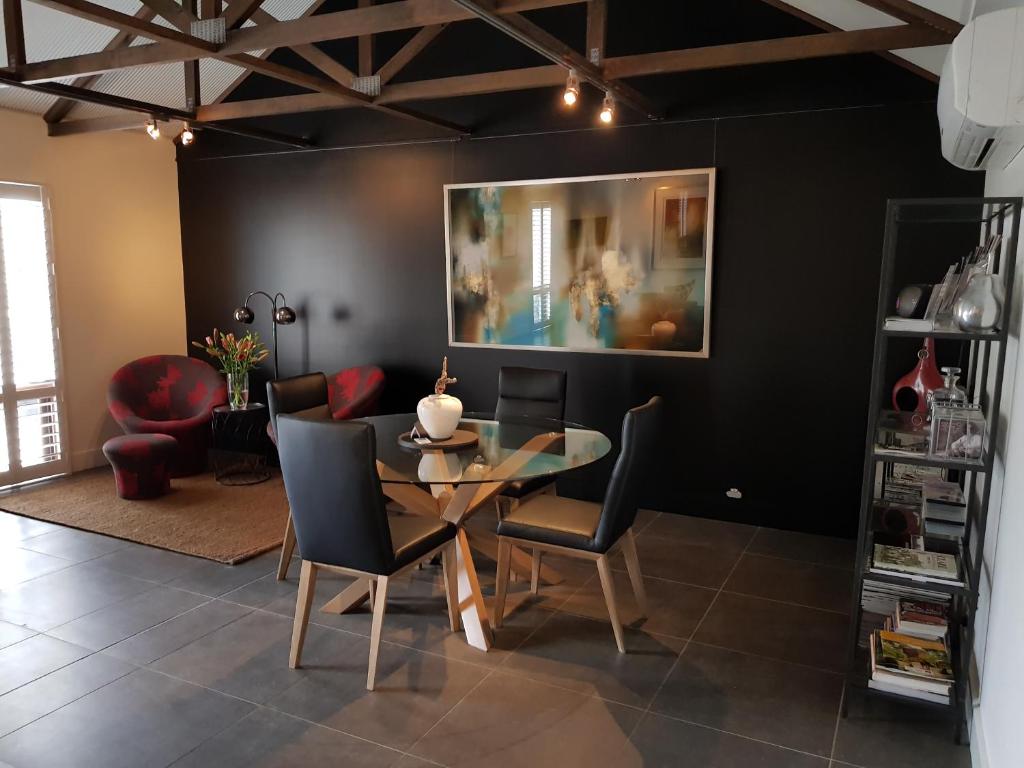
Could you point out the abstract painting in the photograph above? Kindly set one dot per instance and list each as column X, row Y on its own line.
column 590, row 264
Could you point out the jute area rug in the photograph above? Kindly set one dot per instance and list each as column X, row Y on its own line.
column 198, row 517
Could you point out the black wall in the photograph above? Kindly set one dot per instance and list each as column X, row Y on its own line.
column 355, row 239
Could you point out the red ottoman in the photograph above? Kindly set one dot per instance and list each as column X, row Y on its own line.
column 142, row 464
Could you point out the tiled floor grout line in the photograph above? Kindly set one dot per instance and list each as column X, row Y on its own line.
column 672, row 668
column 268, row 706
column 835, row 733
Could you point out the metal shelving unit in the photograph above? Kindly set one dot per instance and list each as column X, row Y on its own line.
column 986, row 356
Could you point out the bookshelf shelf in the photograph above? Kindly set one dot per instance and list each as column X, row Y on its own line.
column 983, row 355
column 948, row 335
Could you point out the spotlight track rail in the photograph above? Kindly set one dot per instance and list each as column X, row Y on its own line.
column 553, row 49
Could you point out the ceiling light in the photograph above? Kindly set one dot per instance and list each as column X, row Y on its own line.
column 572, row 89
column 607, row 108
column 187, row 137
column 153, row 129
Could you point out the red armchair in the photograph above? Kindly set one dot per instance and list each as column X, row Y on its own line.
column 354, row 392
column 171, row 395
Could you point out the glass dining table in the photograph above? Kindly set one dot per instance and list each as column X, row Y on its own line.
column 462, row 481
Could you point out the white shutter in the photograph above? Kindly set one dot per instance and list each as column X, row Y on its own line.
column 32, row 439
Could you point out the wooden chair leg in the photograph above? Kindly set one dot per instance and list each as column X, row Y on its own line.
column 373, row 592
column 501, row 589
column 307, row 586
column 633, row 567
column 535, row 572
column 287, row 549
column 379, row 605
column 451, row 586
column 608, row 587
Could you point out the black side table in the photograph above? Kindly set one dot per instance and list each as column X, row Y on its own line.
column 239, row 452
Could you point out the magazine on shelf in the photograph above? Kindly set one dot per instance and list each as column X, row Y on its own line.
column 940, row 567
column 944, row 528
column 943, row 493
column 932, row 511
column 911, row 661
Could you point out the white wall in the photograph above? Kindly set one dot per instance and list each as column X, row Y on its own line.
column 117, row 253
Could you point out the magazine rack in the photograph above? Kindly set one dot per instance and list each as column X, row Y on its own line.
column 920, row 244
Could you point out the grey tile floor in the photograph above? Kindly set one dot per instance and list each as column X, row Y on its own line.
column 115, row 654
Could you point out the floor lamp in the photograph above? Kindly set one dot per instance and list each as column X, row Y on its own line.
column 283, row 315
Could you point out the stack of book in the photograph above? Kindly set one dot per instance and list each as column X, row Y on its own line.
column 916, row 563
column 881, row 604
column 943, row 508
column 910, row 666
column 921, row 618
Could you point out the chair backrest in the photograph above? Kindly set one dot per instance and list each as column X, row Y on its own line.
column 337, row 507
column 354, row 392
column 297, row 393
column 165, row 388
column 532, row 392
column 639, row 429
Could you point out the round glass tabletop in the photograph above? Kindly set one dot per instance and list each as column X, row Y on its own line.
column 515, row 449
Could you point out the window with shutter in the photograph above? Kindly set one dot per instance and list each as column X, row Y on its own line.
column 31, row 406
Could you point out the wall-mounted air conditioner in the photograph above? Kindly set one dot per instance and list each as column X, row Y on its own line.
column 981, row 93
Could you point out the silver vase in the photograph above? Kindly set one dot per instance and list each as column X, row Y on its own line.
column 980, row 305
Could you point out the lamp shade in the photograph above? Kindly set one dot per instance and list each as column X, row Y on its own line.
column 244, row 315
column 284, row 315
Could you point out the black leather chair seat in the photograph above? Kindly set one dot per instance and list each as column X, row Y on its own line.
column 554, row 520
column 413, row 536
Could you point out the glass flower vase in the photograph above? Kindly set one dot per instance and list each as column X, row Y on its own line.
column 238, row 390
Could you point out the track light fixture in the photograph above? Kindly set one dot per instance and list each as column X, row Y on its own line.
column 153, row 129
column 607, row 114
column 572, row 89
column 187, row 137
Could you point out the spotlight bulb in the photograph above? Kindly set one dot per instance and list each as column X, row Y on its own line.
column 572, row 89
column 607, row 109
column 153, row 129
column 187, row 137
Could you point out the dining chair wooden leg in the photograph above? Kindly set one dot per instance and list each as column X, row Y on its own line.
column 608, row 587
column 451, row 586
column 373, row 592
column 633, row 567
column 379, row 605
column 501, row 589
column 535, row 572
column 307, row 586
column 287, row 549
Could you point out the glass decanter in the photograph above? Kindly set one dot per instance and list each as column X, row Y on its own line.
column 949, row 394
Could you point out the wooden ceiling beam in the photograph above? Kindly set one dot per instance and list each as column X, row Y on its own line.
column 913, row 13
column 553, row 49
column 241, row 11
column 154, row 111
column 14, row 33
column 597, row 23
column 408, row 52
column 889, row 56
column 365, row 43
column 60, row 108
column 403, row 14
column 140, row 27
column 666, row 62
column 777, row 50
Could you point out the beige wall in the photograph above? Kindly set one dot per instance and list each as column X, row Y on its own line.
column 117, row 248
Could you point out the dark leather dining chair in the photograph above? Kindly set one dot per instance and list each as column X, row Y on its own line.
column 330, row 475
column 305, row 395
column 536, row 393
column 586, row 530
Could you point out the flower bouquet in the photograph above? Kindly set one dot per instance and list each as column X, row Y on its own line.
column 237, row 357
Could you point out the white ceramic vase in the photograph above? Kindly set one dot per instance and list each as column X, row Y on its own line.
column 439, row 415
